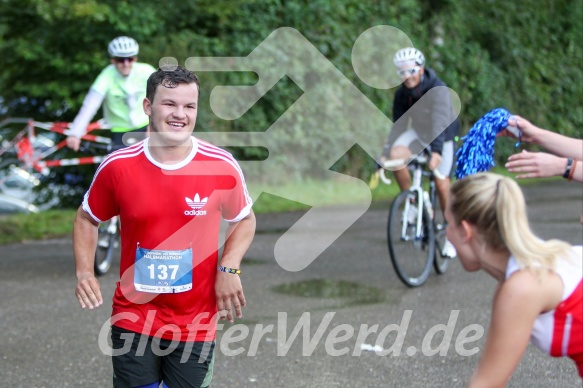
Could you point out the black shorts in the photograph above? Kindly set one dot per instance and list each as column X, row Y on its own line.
column 121, row 140
column 178, row 364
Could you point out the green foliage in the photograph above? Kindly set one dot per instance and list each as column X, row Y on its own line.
column 522, row 55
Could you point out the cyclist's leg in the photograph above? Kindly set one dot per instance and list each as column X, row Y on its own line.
column 400, row 150
column 442, row 186
column 447, row 155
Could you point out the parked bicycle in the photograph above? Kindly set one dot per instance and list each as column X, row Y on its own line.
column 416, row 226
column 27, row 157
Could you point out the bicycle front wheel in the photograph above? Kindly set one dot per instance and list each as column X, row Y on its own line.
column 106, row 246
column 410, row 254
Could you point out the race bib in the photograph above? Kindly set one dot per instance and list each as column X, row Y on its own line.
column 163, row 271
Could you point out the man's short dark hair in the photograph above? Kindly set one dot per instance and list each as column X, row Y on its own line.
column 170, row 77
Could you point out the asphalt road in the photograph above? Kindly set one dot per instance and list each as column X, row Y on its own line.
column 349, row 297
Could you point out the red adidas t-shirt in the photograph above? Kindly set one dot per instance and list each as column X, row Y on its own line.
column 170, row 217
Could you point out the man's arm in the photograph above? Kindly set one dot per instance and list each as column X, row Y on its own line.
column 555, row 143
column 228, row 286
column 400, row 122
column 91, row 104
column 441, row 116
column 542, row 165
column 88, row 290
column 560, row 145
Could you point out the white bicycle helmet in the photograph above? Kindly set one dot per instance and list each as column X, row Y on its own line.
column 409, row 54
column 123, row 46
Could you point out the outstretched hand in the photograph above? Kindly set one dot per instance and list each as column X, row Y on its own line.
column 535, row 165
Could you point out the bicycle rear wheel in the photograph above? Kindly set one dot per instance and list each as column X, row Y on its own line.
column 441, row 262
column 106, row 246
column 411, row 256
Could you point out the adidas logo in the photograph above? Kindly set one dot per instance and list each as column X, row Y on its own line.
column 195, row 204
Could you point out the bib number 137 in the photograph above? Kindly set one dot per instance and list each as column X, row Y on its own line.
column 163, row 272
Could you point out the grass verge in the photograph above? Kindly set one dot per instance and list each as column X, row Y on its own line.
column 37, row 226
column 59, row 223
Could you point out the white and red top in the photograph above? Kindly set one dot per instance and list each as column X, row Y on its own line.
column 166, row 210
column 559, row 332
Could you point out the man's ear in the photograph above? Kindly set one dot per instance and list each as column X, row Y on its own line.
column 147, row 106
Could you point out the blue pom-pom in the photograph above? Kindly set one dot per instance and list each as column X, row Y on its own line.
column 477, row 152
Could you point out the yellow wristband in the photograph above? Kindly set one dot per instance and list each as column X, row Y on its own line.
column 229, row 270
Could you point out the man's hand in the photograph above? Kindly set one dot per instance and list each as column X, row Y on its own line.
column 88, row 291
column 435, row 161
column 379, row 164
column 229, row 293
column 73, row 143
column 536, row 165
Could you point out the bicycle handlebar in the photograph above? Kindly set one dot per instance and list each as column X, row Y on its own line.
column 394, row 163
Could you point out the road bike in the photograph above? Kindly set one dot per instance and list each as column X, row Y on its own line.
column 416, row 226
column 26, row 159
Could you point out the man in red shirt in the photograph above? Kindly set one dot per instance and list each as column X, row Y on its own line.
column 170, row 191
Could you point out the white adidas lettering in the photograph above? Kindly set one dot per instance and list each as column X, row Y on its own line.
column 195, row 212
column 195, row 203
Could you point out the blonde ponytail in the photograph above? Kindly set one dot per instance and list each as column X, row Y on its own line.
column 496, row 206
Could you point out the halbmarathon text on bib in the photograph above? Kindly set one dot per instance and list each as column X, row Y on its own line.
column 163, row 271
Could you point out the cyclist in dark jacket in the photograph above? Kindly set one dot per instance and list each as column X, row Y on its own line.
column 423, row 117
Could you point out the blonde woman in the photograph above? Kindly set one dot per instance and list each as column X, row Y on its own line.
column 540, row 290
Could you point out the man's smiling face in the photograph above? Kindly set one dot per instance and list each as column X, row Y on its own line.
column 173, row 113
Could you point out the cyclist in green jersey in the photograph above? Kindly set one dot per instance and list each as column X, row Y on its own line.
column 121, row 88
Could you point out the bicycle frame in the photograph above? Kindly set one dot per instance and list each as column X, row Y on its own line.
column 416, row 164
column 416, row 186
